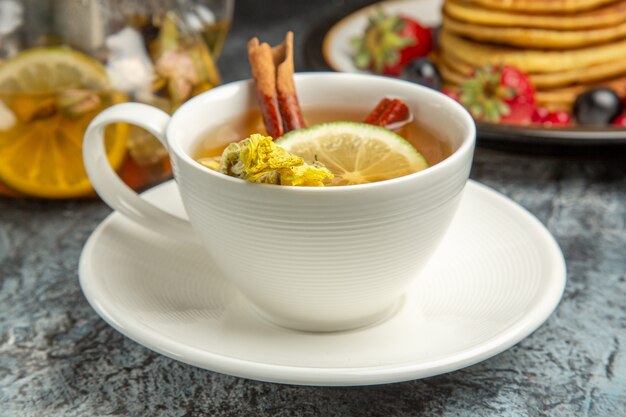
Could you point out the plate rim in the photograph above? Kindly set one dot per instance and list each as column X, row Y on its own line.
column 335, row 376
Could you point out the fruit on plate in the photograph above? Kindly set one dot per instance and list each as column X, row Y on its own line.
column 390, row 42
column 547, row 118
column 499, row 94
column 559, row 118
column 597, row 107
column 423, row 71
column 540, row 115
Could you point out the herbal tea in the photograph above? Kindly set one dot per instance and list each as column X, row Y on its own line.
column 433, row 148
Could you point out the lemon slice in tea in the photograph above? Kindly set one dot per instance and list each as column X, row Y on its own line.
column 49, row 96
column 356, row 153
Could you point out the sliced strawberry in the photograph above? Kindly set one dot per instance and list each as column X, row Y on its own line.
column 499, row 94
column 390, row 43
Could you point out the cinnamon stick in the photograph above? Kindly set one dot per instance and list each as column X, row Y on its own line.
column 272, row 70
column 264, row 75
column 287, row 97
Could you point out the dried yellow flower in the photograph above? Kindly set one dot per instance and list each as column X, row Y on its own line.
column 258, row 159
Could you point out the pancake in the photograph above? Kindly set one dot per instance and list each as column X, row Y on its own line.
column 558, row 99
column 532, row 60
column 539, row 6
column 451, row 76
column 565, row 96
column 564, row 46
column 553, row 98
column 536, row 38
column 458, row 65
column 594, row 73
column 607, row 16
column 591, row 74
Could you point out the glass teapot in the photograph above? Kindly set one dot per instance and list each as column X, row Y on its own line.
column 63, row 61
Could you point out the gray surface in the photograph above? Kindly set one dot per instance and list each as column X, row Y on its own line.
column 57, row 358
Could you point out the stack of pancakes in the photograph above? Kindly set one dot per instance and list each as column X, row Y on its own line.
column 566, row 46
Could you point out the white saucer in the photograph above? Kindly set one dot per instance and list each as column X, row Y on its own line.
column 497, row 276
column 337, row 47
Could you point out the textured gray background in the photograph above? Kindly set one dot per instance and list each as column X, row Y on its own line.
column 57, row 358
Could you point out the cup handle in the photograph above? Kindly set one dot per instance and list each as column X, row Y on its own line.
column 108, row 184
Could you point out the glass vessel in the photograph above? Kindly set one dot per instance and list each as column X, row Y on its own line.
column 63, row 61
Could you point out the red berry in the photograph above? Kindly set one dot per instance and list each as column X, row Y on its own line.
column 543, row 116
column 540, row 115
column 559, row 118
column 620, row 120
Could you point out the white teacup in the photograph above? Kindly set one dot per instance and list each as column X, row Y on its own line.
column 308, row 258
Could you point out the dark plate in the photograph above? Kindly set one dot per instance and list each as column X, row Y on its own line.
column 509, row 137
column 538, row 139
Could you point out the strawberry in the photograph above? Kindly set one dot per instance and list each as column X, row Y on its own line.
column 390, row 43
column 501, row 94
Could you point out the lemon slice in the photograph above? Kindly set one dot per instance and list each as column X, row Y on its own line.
column 356, row 153
column 49, row 96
